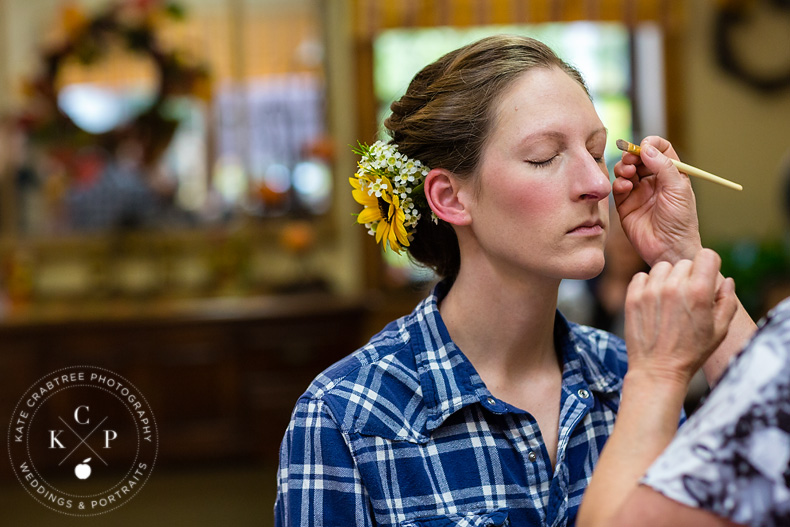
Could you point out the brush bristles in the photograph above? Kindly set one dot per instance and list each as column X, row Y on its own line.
column 625, row 146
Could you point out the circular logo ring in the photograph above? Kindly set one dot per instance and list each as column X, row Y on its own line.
column 82, row 441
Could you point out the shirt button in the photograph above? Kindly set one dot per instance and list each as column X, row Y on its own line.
column 583, row 393
column 490, row 401
column 532, row 456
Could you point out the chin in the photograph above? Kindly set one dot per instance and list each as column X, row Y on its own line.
column 586, row 268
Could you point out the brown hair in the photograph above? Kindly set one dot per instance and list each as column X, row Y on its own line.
column 445, row 117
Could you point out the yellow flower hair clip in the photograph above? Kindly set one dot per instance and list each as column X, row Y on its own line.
column 387, row 184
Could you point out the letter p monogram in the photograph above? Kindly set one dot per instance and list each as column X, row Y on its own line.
column 109, row 435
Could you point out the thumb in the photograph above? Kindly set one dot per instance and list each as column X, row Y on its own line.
column 724, row 306
column 659, row 164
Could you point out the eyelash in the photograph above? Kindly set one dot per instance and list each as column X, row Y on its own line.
column 549, row 161
column 542, row 164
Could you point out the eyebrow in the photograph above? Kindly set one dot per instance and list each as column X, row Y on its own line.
column 548, row 134
column 552, row 134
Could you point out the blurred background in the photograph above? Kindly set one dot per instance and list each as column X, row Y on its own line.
column 174, row 203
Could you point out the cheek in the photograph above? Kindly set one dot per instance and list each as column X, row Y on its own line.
column 534, row 203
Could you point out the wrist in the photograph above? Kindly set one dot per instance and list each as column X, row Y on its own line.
column 674, row 255
column 653, row 405
column 664, row 383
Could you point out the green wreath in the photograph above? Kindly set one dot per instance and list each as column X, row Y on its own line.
column 152, row 129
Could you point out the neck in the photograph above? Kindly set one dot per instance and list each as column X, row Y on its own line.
column 505, row 327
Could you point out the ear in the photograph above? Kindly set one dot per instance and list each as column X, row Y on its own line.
column 446, row 197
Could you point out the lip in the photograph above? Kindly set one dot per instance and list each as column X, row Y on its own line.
column 588, row 228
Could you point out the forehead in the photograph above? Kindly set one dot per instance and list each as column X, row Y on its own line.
column 544, row 100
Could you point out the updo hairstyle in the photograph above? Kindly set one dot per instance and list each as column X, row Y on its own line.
column 445, row 118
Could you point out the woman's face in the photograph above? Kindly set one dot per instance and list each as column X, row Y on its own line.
column 539, row 204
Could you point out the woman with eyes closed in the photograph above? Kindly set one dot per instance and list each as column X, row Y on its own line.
column 485, row 405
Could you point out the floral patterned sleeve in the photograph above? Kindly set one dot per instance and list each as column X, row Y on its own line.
column 732, row 457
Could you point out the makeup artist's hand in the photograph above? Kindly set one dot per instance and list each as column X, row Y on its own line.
column 676, row 316
column 656, row 204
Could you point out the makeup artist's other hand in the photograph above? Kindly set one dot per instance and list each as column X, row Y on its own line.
column 676, row 316
column 656, row 204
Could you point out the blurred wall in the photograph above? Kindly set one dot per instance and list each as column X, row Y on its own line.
column 733, row 130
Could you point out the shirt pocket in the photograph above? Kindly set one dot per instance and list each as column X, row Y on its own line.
column 498, row 518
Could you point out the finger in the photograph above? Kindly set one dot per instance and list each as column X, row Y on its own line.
column 661, row 144
column 656, row 284
column 659, row 272
column 638, row 281
column 670, row 289
column 624, row 182
column 707, row 263
column 635, row 313
column 680, row 272
column 704, row 277
column 657, row 163
column 724, row 307
column 636, row 286
column 643, row 171
column 628, row 166
column 634, row 299
column 631, row 159
column 621, row 187
column 624, row 170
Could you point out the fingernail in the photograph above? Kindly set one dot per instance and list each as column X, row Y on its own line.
column 649, row 151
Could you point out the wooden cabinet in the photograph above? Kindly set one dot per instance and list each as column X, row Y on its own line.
column 221, row 376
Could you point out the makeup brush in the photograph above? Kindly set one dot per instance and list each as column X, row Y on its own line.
column 631, row 148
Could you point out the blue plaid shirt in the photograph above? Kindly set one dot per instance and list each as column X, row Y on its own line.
column 404, row 432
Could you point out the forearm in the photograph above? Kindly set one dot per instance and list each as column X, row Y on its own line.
column 675, row 315
column 646, row 422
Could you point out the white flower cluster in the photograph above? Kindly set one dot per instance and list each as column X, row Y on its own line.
column 382, row 165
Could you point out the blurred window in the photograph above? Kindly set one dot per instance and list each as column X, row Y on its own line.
column 256, row 144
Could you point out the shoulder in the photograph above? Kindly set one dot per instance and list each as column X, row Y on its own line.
column 376, row 389
column 774, row 329
column 377, row 353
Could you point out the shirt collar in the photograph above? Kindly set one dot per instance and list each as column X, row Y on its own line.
column 449, row 381
column 585, row 351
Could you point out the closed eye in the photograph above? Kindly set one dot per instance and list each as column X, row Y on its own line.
column 544, row 163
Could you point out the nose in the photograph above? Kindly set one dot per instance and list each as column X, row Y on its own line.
column 591, row 181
